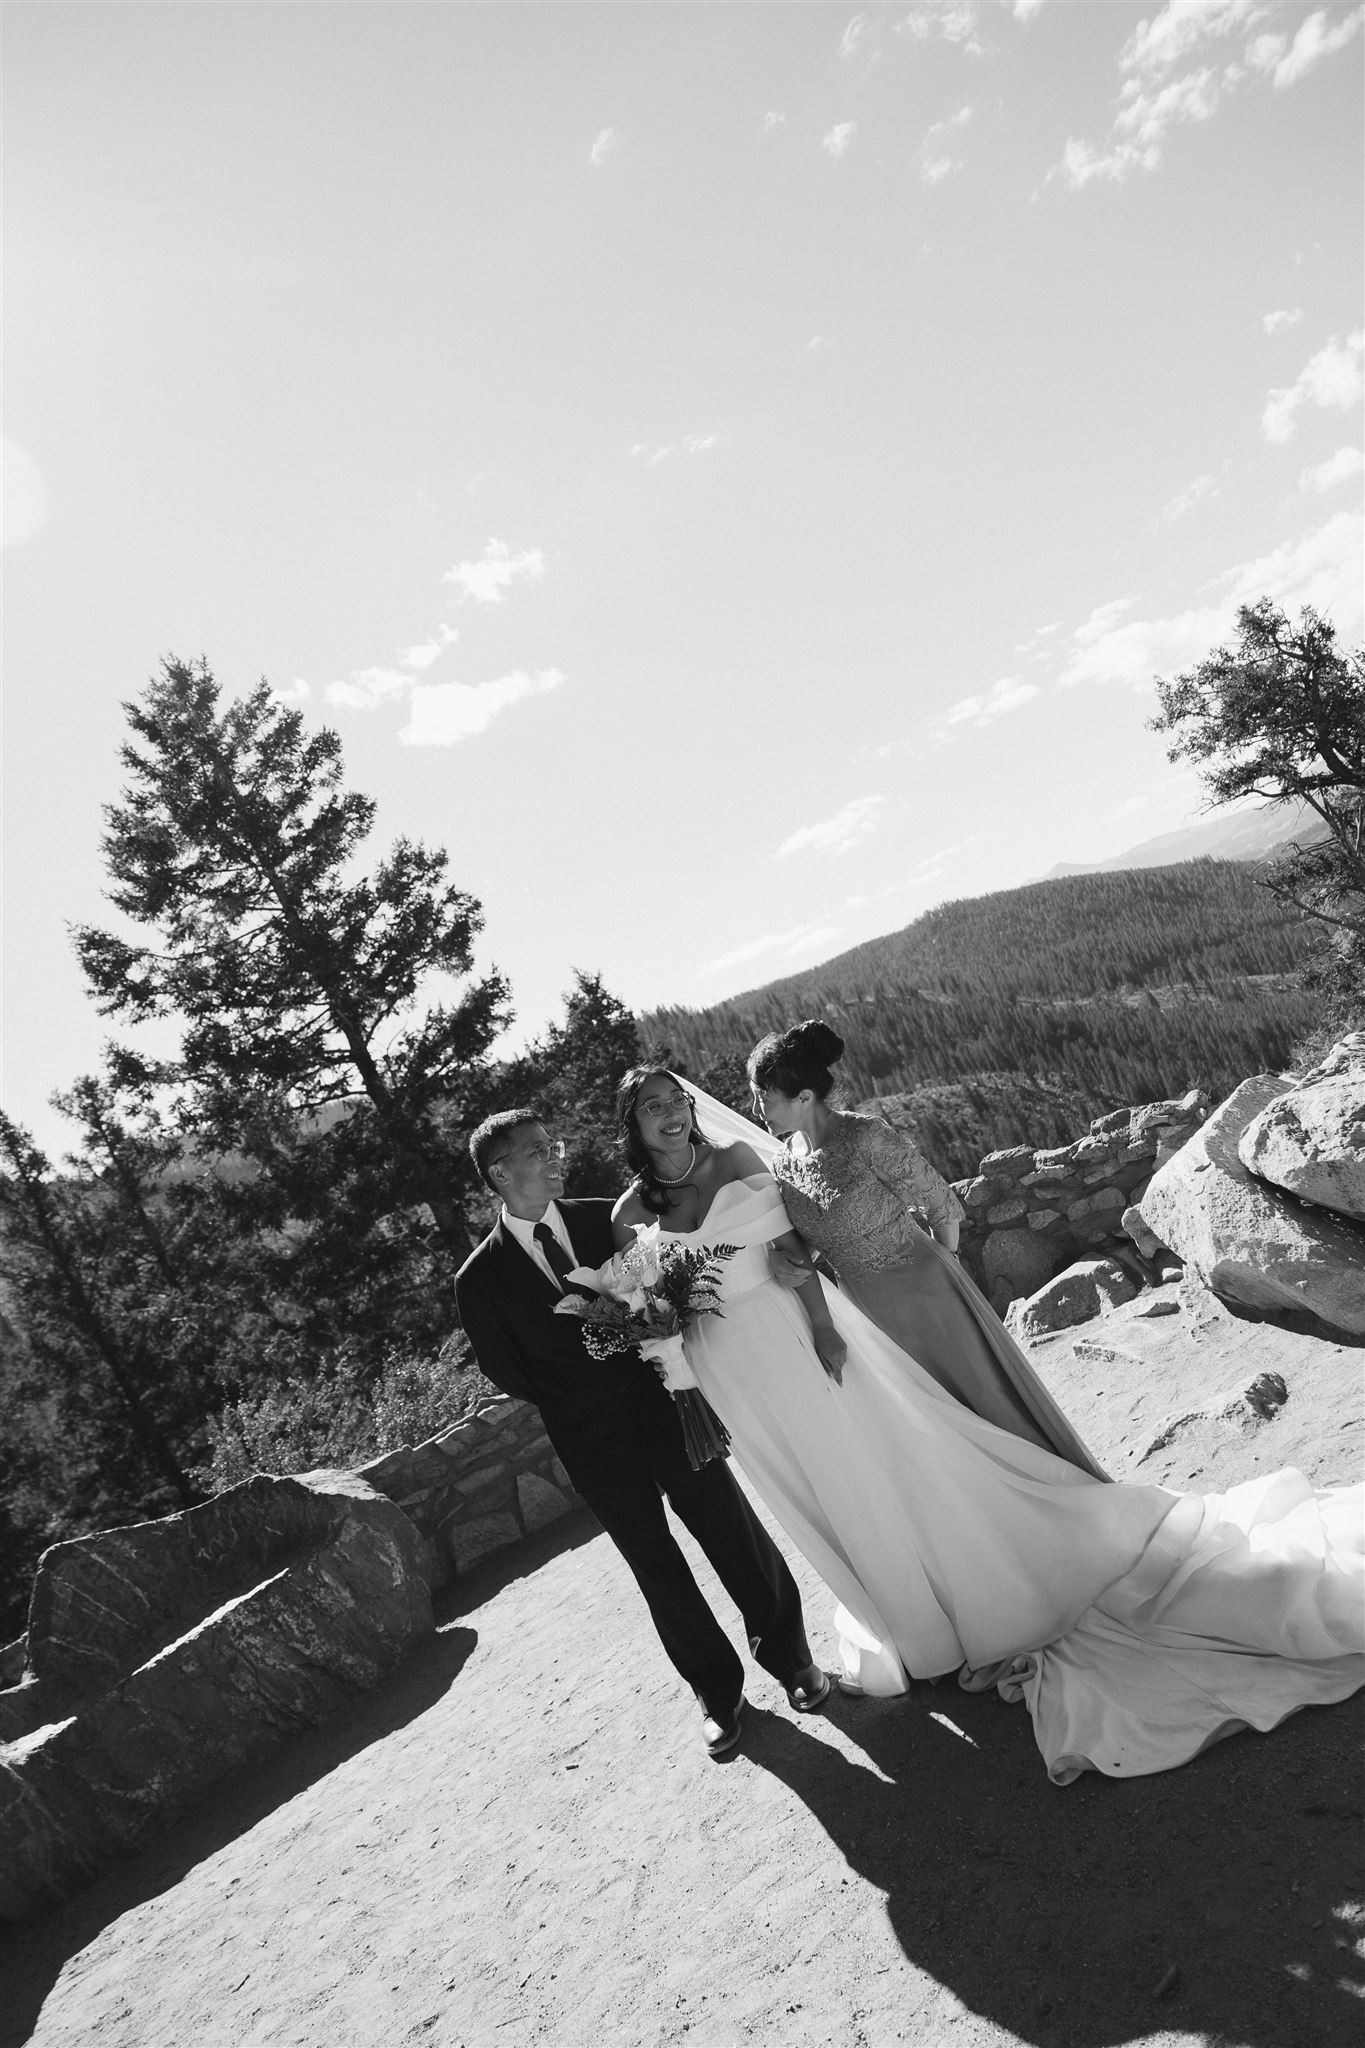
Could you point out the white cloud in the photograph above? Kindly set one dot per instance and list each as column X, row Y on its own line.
column 1103, row 620
column 425, row 652
column 954, row 21
column 445, row 713
column 655, row 452
column 839, row 834
column 366, row 687
column 23, row 496
column 1284, row 317
column 817, row 344
column 1186, row 500
column 853, row 35
column 1181, row 26
column 497, row 569
column 1206, row 35
column 935, row 158
column 798, row 938
column 604, row 142
column 773, row 119
column 1338, row 469
column 1287, row 62
column 1009, row 694
column 291, row 695
column 836, row 142
column 1331, row 378
column 1321, row 568
column 1140, row 127
column 1040, row 633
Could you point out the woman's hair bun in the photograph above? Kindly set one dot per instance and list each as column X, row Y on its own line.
column 816, row 1041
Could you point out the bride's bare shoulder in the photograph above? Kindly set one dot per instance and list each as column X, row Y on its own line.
column 741, row 1160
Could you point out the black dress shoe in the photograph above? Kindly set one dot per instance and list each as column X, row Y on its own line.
column 809, row 1690
column 720, row 1736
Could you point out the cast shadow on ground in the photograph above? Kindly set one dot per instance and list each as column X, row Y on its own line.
column 33, row 1956
column 1213, row 1900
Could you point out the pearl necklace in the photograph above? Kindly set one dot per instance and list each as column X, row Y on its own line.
column 662, row 1179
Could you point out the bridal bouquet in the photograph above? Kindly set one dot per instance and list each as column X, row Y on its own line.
column 645, row 1299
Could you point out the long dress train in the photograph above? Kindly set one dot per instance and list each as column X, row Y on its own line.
column 1139, row 1624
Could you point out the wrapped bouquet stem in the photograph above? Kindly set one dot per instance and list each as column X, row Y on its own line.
column 645, row 1299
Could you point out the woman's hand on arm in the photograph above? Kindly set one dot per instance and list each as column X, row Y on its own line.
column 830, row 1347
column 788, row 1260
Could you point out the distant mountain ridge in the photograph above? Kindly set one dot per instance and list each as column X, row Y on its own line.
column 1112, row 987
column 1230, row 835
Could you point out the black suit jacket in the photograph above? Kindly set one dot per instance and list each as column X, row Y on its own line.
column 596, row 1411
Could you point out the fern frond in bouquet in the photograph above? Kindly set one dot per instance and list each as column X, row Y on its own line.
column 646, row 1298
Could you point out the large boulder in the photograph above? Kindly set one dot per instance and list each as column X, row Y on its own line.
column 1245, row 1240
column 1311, row 1142
column 1084, row 1290
column 161, row 1656
column 1017, row 1262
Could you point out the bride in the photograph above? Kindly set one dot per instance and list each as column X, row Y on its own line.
column 1139, row 1624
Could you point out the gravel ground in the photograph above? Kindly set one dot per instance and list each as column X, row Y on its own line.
column 520, row 1840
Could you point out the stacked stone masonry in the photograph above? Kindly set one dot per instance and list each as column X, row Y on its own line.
column 1030, row 1213
column 477, row 1486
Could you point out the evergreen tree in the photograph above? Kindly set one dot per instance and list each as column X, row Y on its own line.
column 570, row 1076
column 78, row 1307
column 299, row 985
column 1281, row 715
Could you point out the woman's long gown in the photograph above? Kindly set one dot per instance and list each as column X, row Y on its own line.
column 850, row 1199
column 1141, row 1624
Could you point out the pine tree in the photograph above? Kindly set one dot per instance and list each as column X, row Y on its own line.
column 1281, row 715
column 298, row 984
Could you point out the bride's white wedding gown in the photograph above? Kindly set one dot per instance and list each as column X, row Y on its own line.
column 1139, row 1624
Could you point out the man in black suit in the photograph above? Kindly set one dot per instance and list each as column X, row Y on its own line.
column 617, row 1432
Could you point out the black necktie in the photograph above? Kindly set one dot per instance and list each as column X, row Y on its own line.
column 561, row 1265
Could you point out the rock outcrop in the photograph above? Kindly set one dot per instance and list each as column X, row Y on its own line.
column 1247, row 1241
column 162, row 1655
column 1310, row 1140
column 1084, row 1290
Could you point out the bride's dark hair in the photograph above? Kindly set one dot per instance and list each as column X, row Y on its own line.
column 799, row 1058
column 646, row 1184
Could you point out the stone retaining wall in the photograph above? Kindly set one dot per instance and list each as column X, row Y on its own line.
column 477, row 1486
column 162, row 1655
column 1030, row 1213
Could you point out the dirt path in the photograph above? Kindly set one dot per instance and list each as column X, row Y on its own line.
column 520, row 1840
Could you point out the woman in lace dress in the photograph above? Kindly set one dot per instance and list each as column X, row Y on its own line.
column 1137, row 1623
column 851, row 1185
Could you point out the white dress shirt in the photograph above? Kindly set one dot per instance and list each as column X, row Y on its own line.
column 525, row 1235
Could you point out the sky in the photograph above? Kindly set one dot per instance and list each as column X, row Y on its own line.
column 729, row 473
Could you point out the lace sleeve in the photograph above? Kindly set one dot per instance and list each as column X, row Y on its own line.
column 900, row 1165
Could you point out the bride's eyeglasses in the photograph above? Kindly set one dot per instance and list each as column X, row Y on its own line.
column 655, row 1105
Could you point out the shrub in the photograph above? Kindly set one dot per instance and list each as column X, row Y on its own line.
column 343, row 1417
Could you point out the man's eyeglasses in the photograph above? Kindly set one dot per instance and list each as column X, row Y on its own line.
column 554, row 1148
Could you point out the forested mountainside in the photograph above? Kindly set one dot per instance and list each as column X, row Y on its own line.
column 1114, row 988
